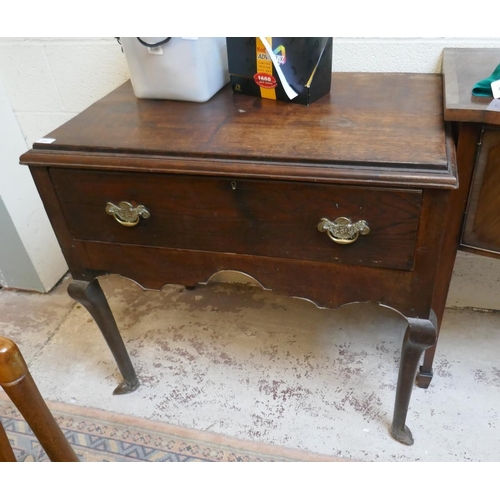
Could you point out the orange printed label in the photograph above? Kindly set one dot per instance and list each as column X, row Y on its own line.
column 264, row 76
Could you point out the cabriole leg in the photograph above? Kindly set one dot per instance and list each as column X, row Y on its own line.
column 419, row 336
column 91, row 296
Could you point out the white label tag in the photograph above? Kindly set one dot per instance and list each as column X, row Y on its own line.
column 495, row 88
column 494, row 105
column 46, row 140
column 155, row 51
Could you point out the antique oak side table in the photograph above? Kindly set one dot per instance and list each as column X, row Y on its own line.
column 339, row 202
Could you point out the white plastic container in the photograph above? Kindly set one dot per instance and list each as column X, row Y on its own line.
column 181, row 69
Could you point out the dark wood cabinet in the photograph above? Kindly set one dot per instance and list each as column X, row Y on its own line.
column 346, row 200
column 477, row 125
column 478, row 131
column 473, row 223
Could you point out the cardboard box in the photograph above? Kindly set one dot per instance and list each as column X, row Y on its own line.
column 287, row 69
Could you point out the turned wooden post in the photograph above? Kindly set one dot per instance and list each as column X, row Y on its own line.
column 6, row 452
column 17, row 382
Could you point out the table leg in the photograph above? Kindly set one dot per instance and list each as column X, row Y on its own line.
column 466, row 149
column 91, row 296
column 419, row 336
column 425, row 373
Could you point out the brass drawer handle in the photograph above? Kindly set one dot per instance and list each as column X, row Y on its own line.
column 126, row 214
column 342, row 230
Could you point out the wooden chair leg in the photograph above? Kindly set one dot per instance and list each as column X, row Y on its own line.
column 17, row 382
column 6, row 452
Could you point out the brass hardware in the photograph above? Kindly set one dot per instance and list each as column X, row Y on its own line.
column 342, row 230
column 126, row 214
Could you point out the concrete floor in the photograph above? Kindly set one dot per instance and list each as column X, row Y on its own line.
column 240, row 361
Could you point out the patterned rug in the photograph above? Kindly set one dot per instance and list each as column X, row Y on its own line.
column 99, row 436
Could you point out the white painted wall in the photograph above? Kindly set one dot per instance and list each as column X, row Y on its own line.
column 30, row 257
column 49, row 80
column 406, row 55
column 43, row 83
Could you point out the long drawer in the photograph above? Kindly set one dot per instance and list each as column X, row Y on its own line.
column 242, row 216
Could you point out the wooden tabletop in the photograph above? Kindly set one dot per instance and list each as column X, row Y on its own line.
column 462, row 69
column 389, row 118
column 383, row 128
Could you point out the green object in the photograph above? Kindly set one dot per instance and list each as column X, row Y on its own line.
column 483, row 88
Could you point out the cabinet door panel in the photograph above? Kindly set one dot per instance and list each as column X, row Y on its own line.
column 482, row 221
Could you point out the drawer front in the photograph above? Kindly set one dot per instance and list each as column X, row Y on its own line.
column 482, row 221
column 252, row 217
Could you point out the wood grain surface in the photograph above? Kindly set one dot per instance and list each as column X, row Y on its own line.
column 462, row 69
column 372, row 119
column 482, row 223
